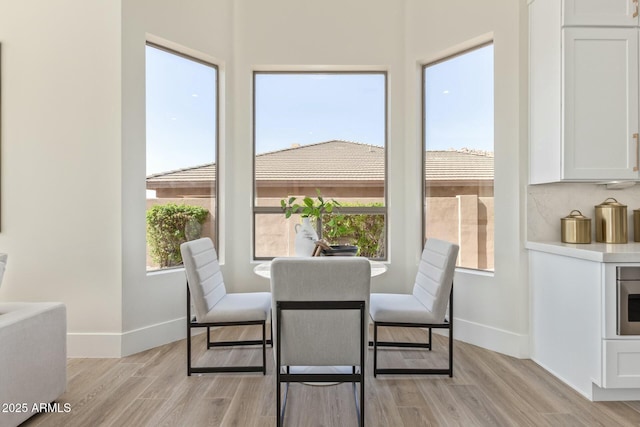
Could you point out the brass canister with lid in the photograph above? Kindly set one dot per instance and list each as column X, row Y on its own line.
column 611, row 222
column 575, row 228
column 636, row 225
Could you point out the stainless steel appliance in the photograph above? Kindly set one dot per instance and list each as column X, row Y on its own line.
column 628, row 296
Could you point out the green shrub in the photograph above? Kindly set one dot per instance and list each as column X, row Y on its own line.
column 170, row 225
column 363, row 230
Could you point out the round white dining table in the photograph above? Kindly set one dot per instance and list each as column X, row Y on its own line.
column 264, row 269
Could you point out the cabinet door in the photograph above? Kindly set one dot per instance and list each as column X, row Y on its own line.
column 600, row 12
column 600, row 94
column 621, row 364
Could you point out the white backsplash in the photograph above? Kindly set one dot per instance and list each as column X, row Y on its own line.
column 548, row 203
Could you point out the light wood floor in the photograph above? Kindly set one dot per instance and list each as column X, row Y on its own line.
column 488, row 389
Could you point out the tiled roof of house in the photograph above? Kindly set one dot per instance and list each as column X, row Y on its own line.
column 338, row 161
column 323, row 161
column 193, row 175
column 455, row 165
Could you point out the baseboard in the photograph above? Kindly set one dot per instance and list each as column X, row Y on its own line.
column 616, row 394
column 494, row 339
column 115, row 345
column 152, row 336
column 111, row 345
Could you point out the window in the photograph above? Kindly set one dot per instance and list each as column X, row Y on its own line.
column 326, row 133
column 182, row 123
column 458, row 154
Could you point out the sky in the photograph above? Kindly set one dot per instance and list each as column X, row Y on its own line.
column 459, row 102
column 181, row 112
column 304, row 108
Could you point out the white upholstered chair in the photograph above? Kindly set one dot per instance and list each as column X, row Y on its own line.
column 215, row 307
column 425, row 308
column 320, row 318
column 33, row 356
column 3, row 265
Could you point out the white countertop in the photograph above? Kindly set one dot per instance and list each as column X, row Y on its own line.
column 600, row 252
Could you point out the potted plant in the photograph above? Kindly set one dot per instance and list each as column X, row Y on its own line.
column 306, row 235
column 309, row 207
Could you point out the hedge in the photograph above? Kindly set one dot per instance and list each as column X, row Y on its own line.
column 170, row 225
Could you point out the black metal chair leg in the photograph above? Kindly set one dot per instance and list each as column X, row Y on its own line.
column 278, row 399
column 188, row 332
column 271, row 332
column 411, row 371
column 264, row 349
column 375, row 349
column 188, row 351
column 451, row 353
column 362, row 396
column 451, row 332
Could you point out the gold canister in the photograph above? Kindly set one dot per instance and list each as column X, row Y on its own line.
column 575, row 228
column 636, row 225
column 611, row 222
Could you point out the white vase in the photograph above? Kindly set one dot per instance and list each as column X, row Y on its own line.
column 306, row 238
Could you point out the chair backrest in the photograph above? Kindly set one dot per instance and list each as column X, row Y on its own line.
column 3, row 265
column 320, row 337
column 203, row 274
column 435, row 276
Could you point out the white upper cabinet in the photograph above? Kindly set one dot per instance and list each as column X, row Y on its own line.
column 583, row 96
column 600, row 13
column 600, row 93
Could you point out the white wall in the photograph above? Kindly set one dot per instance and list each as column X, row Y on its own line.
column 491, row 311
column 154, row 304
column 107, row 289
column 294, row 35
column 60, row 171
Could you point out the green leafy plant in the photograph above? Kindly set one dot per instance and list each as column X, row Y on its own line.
column 309, row 206
column 170, row 225
column 363, row 230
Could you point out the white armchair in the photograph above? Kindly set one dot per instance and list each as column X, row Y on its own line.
column 33, row 357
column 3, row 265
